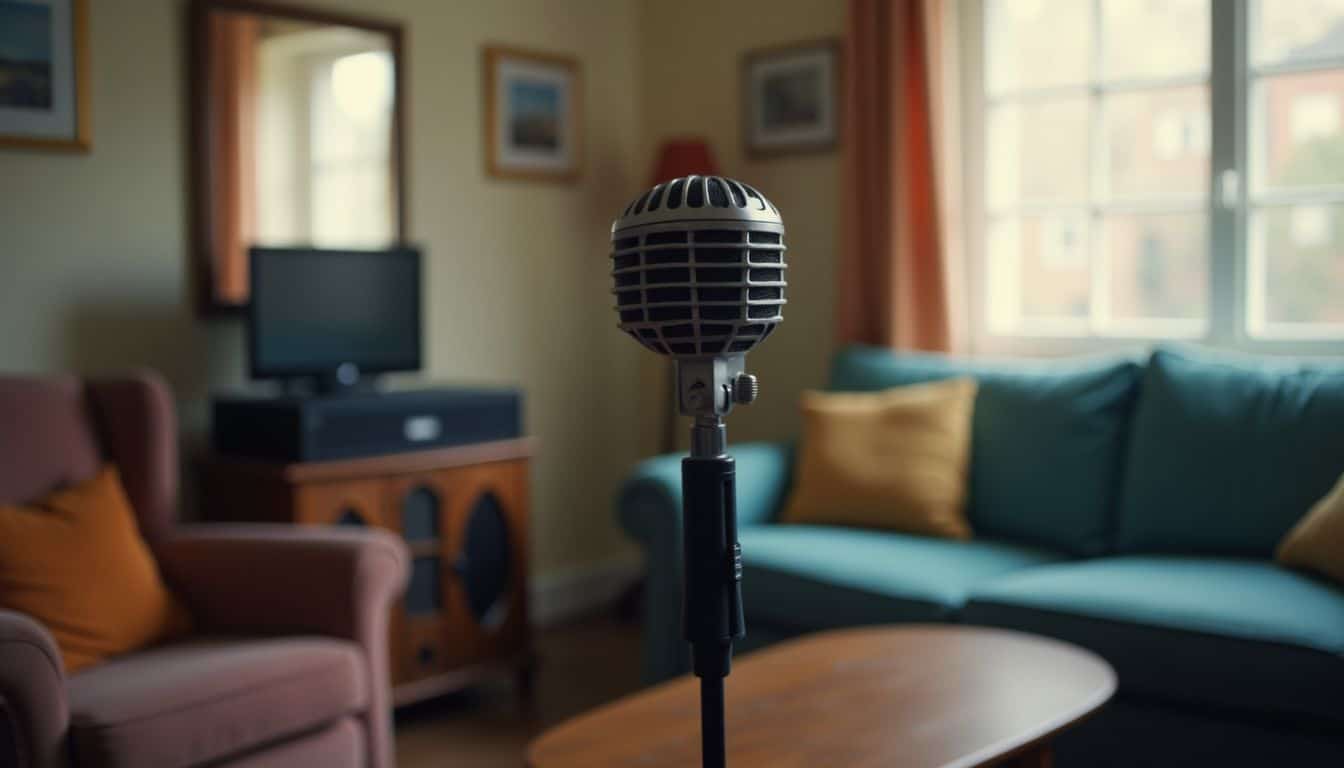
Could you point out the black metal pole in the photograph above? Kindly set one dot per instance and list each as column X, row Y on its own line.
column 713, row 745
column 712, row 597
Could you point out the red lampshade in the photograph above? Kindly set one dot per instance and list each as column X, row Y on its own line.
column 683, row 157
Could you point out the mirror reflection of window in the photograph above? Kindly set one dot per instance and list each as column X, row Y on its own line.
column 351, row 185
column 324, row 133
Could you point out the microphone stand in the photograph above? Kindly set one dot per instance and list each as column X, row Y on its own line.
column 712, row 615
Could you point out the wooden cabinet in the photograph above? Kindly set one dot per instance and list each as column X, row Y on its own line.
column 463, row 513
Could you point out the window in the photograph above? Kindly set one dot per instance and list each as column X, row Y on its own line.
column 1156, row 169
column 1295, row 244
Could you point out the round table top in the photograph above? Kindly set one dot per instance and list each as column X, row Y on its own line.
column 910, row 696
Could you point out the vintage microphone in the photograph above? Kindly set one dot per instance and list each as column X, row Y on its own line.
column 698, row 266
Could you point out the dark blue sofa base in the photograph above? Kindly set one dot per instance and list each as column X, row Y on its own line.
column 1132, row 732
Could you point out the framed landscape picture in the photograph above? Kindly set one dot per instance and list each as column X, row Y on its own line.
column 532, row 115
column 44, row 74
column 790, row 99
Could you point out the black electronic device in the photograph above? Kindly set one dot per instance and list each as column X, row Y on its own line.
column 293, row 428
column 332, row 315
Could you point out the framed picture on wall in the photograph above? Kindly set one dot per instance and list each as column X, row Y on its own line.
column 789, row 97
column 44, row 74
column 532, row 115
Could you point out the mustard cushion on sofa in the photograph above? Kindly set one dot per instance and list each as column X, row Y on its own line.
column 895, row 459
column 75, row 562
column 1316, row 543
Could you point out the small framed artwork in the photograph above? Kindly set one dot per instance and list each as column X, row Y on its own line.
column 44, row 74
column 532, row 115
column 790, row 98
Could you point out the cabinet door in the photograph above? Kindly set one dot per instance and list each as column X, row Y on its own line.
column 347, row 502
column 487, row 543
column 417, row 506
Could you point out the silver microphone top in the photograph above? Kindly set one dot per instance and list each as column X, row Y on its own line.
column 698, row 267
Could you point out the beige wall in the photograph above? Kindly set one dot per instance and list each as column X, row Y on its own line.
column 690, row 56
column 94, row 248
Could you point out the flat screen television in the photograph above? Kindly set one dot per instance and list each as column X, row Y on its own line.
column 332, row 315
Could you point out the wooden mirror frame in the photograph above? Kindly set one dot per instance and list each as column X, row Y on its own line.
column 205, row 175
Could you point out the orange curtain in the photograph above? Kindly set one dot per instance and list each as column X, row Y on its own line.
column 233, row 85
column 900, row 243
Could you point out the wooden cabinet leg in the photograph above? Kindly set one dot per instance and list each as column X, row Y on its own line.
column 525, row 680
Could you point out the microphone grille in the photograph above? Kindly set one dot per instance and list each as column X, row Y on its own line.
column 705, row 197
column 699, row 273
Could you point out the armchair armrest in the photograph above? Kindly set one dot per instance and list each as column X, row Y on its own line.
column 649, row 508
column 33, row 709
column 296, row 579
column 284, row 578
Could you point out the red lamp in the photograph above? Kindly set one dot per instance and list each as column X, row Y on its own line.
column 683, row 157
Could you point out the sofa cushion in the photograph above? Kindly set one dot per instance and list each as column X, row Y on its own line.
column 196, row 702
column 1046, row 443
column 816, row 577
column 339, row 745
column 1234, row 633
column 1225, row 455
column 895, row 459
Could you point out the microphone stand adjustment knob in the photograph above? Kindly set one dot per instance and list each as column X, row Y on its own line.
column 745, row 388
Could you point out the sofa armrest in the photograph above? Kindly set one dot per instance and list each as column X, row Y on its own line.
column 273, row 579
column 33, row 710
column 650, row 499
column 649, row 508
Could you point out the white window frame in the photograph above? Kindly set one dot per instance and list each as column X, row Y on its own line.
column 1230, row 81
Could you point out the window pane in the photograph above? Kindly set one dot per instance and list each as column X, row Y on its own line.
column 1155, row 38
column 1038, row 269
column 1159, row 266
column 1300, row 136
column 1037, row 152
column 1298, row 30
column 1297, row 271
column 1036, row 43
column 1157, row 143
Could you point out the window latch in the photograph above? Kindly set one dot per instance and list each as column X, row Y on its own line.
column 1229, row 189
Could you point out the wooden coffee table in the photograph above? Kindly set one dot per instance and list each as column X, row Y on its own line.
column 903, row 696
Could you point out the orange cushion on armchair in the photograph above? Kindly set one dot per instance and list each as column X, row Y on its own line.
column 75, row 561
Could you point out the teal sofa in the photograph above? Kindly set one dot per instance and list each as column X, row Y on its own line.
column 1128, row 507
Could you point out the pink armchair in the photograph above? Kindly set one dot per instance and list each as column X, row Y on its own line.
column 288, row 666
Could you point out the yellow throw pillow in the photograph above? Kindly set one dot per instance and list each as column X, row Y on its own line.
column 75, row 562
column 1316, row 543
column 895, row 459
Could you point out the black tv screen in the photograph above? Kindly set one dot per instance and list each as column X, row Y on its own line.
column 313, row 310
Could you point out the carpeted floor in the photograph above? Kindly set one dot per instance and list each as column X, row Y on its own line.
column 583, row 664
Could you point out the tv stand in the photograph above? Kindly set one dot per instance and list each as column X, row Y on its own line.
column 463, row 512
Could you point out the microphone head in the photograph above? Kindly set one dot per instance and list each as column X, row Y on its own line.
column 698, row 266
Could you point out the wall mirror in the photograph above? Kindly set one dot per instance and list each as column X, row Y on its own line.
column 298, row 123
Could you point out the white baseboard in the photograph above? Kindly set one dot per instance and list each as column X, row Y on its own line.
column 558, row 597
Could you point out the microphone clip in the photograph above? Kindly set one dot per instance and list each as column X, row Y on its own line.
column 709, row 387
